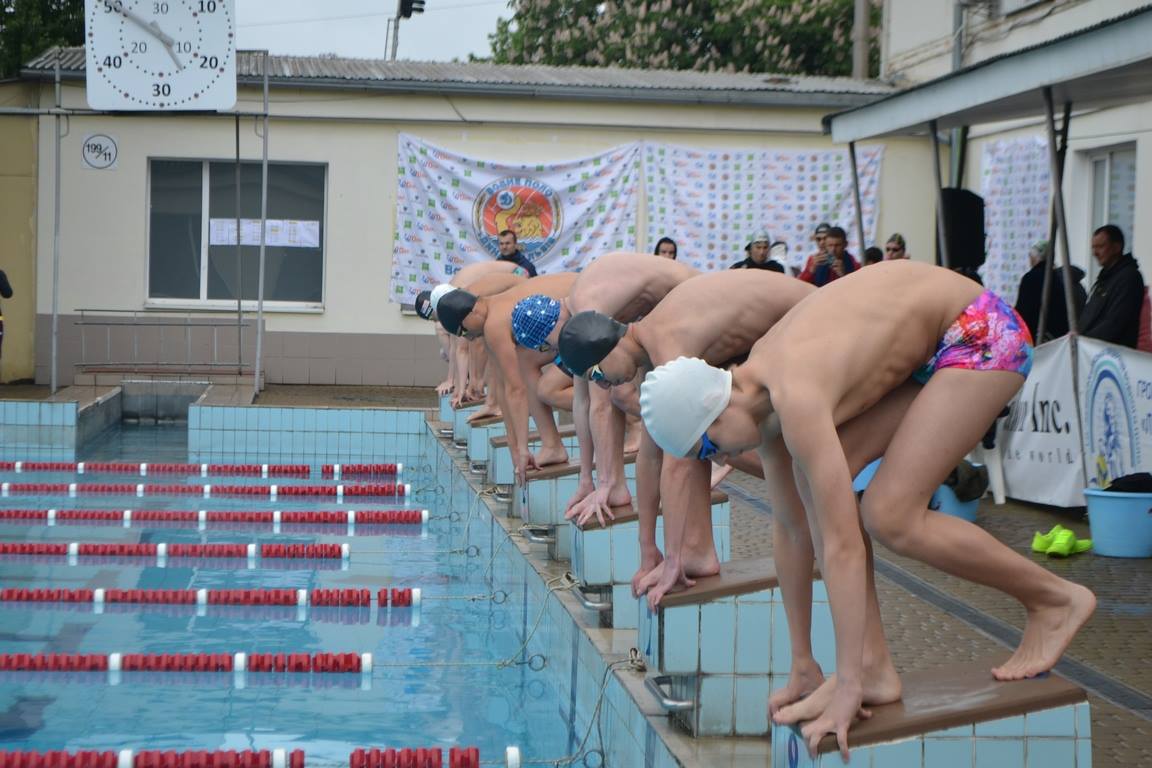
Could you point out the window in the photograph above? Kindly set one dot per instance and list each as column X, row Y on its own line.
column 1114, row 191
column 192, row 253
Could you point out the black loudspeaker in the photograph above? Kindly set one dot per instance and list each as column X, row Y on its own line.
column 964, row 228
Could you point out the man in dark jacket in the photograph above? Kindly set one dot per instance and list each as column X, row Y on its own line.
column 758, row 257
column 1030, row 296
column 510, row 251
column 1113, row 310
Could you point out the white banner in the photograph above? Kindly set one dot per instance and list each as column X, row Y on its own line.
column 1016, row 190
column 1040, row 439
column 1116, row 393
column 711, row 201
column 451, row 208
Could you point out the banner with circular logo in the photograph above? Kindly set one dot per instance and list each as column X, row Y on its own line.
column 519, row 204
column 451, row 209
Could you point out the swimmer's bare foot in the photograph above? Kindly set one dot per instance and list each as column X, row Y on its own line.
column 804, row 678
column 1047, row 633
column 880, row 684
column 719, row 472
column 444, row 387
column 484, row 412
column 649, row 561
column 547, row 456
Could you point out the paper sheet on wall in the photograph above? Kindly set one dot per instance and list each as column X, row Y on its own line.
column 283, row 233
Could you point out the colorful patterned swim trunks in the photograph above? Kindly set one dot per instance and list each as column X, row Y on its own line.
column 988, row 336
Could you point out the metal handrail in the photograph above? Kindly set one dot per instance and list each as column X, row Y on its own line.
column 136, row 320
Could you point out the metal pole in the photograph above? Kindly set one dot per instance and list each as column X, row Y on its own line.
column 856, row 195
column 1058, row 202
column 941, row 225
column 239, row 264
column 54, row 377
column 1062, row 230
column 860, row 40
column 263, row 235
column 1046, row 294
column 395, row 35
column 387, row 36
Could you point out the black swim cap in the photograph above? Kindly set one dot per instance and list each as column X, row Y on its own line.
column 453, row 308
column 423, row 304
column 587, row 339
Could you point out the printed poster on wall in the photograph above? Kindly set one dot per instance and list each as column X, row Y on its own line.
column 1116, row 397
column 450, row 209
column 1016, row 189
column 711, row 201
column 1040, row 438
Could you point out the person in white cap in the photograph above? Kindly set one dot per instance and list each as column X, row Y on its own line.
column 759, row 256
column 841, row 399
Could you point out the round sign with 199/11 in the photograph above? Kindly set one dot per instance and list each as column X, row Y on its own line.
column 144, row 55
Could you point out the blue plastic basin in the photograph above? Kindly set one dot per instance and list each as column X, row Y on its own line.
column 1121, row 523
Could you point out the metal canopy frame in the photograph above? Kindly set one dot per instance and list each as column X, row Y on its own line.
column 1107, row 65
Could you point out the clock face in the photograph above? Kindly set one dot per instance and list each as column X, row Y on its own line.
column 160, row 54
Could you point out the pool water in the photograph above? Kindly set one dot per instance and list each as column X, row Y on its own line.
column 452, row 673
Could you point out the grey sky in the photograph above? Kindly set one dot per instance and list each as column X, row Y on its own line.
column 449, row 29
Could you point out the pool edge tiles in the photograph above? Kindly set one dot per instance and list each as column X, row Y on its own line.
column 637, row 732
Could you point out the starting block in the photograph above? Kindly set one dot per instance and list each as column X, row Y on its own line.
column 542, row 501
column 960, row 716
column 501, row 473
column 479, row 437
column 460, row 425
column 604, row 559
column 715, row 651
column 444, row 416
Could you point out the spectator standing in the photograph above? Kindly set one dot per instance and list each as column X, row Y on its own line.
column 5, row 293
column 666, row 247
column 835, row 263
column 1113, row 310
column 758, row 254
column 896, row 248
column 510, row 251
column 1030, row 295
column 873, row 255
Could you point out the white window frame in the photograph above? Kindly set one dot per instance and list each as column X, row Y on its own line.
column 227, row 305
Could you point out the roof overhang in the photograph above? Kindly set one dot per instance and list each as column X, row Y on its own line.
column 1107, row 65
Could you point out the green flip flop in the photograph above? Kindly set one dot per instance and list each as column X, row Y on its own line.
column 1041, row 542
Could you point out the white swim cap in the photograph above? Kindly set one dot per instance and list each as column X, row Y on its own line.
column 680, row 400
column 439, row 292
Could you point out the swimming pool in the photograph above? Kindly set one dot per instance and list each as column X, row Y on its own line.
column 462, row 669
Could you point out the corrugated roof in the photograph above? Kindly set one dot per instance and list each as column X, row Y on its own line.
column 524, row 80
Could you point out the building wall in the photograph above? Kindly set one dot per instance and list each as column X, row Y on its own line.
column 917, row 34
column 359, row 336
column 18, row 232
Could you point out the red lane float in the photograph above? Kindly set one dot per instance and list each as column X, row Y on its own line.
column 142, row 490
column 429, row 757
column 278, row 758
column 397, row 597
column 274, row 521
column 151, row 468
column 327, row 663
column 338, row 471
column 163, row 551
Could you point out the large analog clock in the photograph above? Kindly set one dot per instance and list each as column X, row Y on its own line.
column 160, row 54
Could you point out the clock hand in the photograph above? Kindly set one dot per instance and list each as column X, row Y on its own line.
column 152, row 28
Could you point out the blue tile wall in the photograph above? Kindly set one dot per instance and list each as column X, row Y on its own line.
column 37, row 430
column 314, row 435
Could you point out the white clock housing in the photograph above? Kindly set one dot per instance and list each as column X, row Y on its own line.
column 145, row 55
